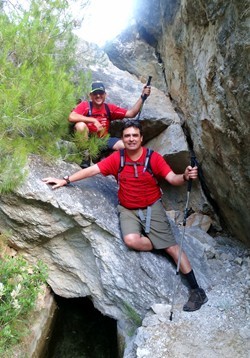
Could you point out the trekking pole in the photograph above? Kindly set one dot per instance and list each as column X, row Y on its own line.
column 189, row 186
column 144, row 97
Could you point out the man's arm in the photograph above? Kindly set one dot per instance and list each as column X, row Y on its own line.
column 81, row 174
column 75, row 117
column 180, row 179
column 132, row 112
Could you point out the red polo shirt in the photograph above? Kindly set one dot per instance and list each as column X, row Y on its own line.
column 136, row 191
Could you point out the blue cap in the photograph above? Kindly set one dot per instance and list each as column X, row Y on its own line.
column 97, row 86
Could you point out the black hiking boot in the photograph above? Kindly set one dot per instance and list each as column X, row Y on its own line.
column 85, row 163
column 102, row 155
column 196, row 300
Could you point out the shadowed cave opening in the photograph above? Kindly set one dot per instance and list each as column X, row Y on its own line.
column 80, row 330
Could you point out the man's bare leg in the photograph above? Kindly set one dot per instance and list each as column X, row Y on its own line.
column 173, row 251
column 197, row 297
column 138, row 242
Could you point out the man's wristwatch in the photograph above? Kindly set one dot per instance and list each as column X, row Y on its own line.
column 67, row 179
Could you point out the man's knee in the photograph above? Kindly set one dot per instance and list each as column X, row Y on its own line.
column 130, row 240
column 138, row 242
column 81, row 127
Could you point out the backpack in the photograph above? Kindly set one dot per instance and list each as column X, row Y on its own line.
column 146, row 164
column 106, row 109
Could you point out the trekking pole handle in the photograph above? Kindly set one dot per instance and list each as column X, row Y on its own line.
column 147, row 85
column 193, row 163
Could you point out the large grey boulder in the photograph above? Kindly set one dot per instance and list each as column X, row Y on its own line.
column 75, row 231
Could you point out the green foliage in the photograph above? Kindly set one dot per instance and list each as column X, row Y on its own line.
column 20, row 284
column 91, row 146
column 37, row 58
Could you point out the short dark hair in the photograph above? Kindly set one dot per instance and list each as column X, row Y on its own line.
column 132, row 123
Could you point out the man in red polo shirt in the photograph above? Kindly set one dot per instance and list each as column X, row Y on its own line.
column 143, row 221
column 95, row 116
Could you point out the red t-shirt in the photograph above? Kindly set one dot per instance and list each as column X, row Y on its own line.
column 101, row 115
column 136, row 192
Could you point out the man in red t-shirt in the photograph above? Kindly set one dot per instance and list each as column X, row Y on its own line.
column 143, row 220
column 96, row 119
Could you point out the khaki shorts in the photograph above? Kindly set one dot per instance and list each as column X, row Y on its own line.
column 160, row 231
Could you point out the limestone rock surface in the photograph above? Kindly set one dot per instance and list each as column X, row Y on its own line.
column 75, row 231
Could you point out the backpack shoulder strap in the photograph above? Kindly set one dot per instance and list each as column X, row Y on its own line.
column 90, row 109
column 122, row 160
column 147, row 161
column 107, row 111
